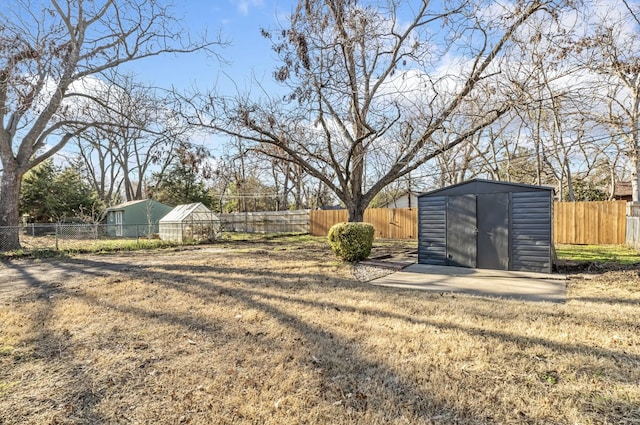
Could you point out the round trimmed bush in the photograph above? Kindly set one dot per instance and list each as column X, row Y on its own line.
column 351, row 241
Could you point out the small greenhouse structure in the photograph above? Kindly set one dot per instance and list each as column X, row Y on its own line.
column 190, row 223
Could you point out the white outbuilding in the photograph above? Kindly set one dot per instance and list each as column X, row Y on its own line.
column 190, row 223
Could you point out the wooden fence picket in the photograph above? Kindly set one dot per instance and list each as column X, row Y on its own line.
column 573, row 222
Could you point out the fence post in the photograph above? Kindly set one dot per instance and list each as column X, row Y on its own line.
column 56, row 233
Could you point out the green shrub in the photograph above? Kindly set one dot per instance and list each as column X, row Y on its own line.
column 351, row 241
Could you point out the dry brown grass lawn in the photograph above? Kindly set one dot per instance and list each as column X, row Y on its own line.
column 269, row 333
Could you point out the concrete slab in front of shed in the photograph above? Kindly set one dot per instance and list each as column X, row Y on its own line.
column 491, row 283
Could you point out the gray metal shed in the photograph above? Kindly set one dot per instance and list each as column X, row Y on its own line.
column 487, row 224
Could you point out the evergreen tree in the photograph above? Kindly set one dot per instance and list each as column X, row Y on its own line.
column 50, row 193
column 183, row 181
column 180, row 184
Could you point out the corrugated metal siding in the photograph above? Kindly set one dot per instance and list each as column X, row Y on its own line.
column 531, row 231
column 432, row 230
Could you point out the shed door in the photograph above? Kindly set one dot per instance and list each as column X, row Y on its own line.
column 118, row 223
column 461, row 231
column 493, row 231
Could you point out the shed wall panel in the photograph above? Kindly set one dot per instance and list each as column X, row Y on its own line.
column 531, row 231
column 432, row 228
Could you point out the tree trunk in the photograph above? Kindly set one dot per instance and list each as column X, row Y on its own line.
column 9, row 203
column 357, row 205
column 356, row 211
column 634, row 156
column 635, row 176
column 298, row 195
column 570, row 192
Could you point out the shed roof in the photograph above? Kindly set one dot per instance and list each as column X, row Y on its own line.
column 128, row 204
column 477, row 186
column 191, row 212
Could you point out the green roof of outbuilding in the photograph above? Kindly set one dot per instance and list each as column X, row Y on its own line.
column 125, row 205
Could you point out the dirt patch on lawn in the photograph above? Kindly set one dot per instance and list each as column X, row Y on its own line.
column 592, row 267
column 25, row 275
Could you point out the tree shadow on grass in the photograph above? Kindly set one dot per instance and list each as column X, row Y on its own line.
column 50, row 347
column 606, row 300
column 200, row 286
column 353, row 399
column 499, row 335
column 395, row 387
column 172, row 276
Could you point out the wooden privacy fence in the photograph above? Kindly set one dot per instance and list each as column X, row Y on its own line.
column 573, row 222
column 592, row 223
column 390, row 223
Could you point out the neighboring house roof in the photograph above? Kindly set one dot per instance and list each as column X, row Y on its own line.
column 622, row 190
column 191, row 212
column 127, row 204
column 401, row 200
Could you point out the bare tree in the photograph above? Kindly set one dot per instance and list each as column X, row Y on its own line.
column 465, row 160
column 100, row 167
column 289, row 180
column 367, row 83
column 612, row 54
column 139, row 130
column 48, row 47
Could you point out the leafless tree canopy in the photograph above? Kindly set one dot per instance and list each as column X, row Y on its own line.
column 139, row 130
column 49, row 53
column 377, row 83
column 611, row 53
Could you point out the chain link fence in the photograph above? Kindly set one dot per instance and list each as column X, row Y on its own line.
column 94, row 237
column 9, row 238
column 266, row 222
column 60, row 236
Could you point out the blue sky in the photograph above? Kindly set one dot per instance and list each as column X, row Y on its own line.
column 239, row 22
